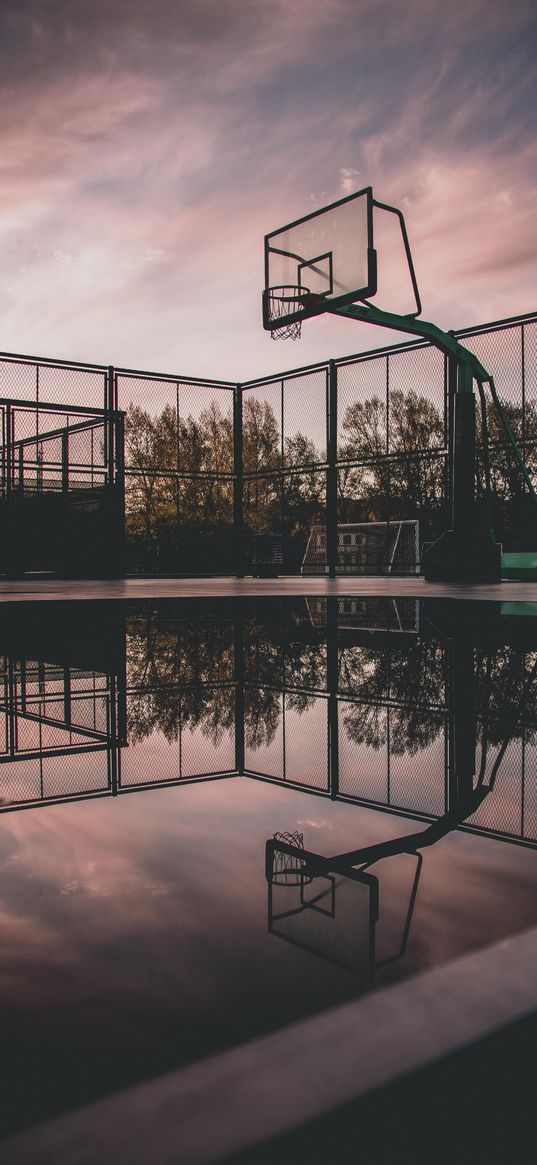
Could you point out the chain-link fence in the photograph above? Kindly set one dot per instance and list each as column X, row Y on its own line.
column 346, row 463
column 179, row 474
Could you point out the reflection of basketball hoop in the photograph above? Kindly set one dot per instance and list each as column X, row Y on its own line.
column 289, row 869
column 284, row 301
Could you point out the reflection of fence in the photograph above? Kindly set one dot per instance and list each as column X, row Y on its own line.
column 369, row 719
column 48, row 712
column 61, row 493
column 357, row 613
column 355, row 705
column 362, row 439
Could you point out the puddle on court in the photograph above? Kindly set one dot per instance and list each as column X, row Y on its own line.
column 151, row 752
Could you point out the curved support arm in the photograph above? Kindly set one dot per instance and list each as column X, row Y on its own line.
column 422, row 328
column 343, row 863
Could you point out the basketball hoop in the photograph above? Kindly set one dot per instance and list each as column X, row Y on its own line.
column 282, row 302
column 290, row 869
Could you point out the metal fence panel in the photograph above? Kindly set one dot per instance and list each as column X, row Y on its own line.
column 201, row 483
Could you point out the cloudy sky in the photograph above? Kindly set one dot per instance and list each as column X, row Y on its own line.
column 149, row 146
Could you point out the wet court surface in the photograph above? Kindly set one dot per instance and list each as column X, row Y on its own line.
column 45, row 588
column 222, row 816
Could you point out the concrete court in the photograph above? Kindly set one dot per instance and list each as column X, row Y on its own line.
column 162, row 587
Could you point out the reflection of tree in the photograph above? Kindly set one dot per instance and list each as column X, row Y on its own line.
column 409, row 679
column 411, row 682
column 274, row 657
column 176, row 672
column 181, row 674
column 413, row 673
column 411, row 729
column 262, row 715
column 500, row 682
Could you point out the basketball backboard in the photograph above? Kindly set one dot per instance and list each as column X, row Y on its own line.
column 327, row 254
column 324, row 261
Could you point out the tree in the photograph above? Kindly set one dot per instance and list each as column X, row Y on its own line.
column 175, row 474
column 400, row 472
column 141, row 487
column 261, row 454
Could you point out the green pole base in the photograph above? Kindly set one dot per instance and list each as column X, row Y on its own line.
column 469, row 559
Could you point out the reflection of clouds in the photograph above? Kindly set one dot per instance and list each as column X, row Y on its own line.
column 131, row 134
column 481, row 886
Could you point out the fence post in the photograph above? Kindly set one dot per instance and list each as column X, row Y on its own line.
column 110, row 407
column 115, row 476
column 238, row 522
column 8, row 451
column 451, row 376
column 463, row 722
column 331, row 472
column 65, row 462
column 119, row 496
column 332, row 680
column 238, row 646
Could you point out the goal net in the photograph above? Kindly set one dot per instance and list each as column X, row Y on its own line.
column 366, row 548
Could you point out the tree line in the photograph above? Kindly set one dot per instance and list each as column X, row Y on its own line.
column 392, row 465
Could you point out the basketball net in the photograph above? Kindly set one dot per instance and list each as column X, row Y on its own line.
column 284, row 301
column 290, row 869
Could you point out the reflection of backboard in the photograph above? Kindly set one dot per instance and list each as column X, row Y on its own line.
column 328, row 253
column 336, row 915
column 331, row 916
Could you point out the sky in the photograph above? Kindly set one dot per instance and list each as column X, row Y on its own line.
column 147, row 148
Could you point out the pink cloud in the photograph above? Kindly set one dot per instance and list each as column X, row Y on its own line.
column 142, row 168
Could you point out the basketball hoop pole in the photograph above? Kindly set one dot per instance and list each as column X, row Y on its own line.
column 461, row 554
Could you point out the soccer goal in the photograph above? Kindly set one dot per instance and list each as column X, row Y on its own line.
column 366, row 548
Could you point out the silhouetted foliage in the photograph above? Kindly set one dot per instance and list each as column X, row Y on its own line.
column 411, row 482
column 411, row 680
column 393, row 466
column 179, row 675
